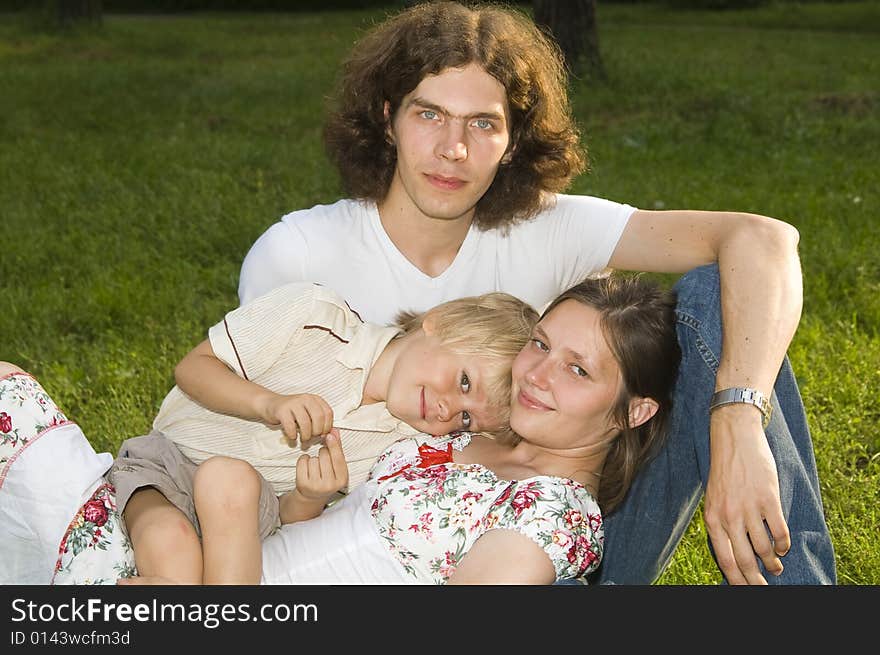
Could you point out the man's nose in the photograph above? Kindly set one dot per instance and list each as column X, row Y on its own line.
column 453, row 145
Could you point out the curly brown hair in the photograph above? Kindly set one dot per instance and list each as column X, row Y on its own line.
column 392, row 59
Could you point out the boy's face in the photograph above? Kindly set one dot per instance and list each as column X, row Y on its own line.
column 438, row 391
column 451, row 133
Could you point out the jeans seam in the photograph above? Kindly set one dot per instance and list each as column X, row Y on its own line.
column 702, row 347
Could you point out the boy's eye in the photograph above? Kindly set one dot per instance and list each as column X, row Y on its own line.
column 577, row 370
column 540, row 345
column 465, row 382
column 466, row 420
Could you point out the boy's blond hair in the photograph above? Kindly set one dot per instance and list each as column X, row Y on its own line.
column 494, row 326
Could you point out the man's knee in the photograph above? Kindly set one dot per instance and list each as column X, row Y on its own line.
column 700, row 282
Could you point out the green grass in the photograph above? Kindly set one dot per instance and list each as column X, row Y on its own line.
column 138, row 163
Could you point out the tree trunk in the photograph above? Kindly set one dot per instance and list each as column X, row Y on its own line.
column 573, row 24
column 69, row 12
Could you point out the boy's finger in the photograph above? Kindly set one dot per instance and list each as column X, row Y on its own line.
column 288, row 427
column 328, row 417
column 302, row 468
column 321, row 415
column 337, row 456
column 304, row 423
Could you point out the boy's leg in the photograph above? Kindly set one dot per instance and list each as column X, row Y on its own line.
column 227, row 500
column 642, row 535
column 166, row 547
column 154, row 492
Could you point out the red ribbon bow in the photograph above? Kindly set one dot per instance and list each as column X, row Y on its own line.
column 428, row 456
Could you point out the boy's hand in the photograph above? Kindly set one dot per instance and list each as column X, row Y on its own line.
column 306, row 413
column 321, row 476
column 318, row 478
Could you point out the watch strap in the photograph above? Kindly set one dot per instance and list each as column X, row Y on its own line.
column 745, row 395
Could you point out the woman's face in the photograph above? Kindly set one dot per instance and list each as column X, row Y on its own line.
column 565, row 380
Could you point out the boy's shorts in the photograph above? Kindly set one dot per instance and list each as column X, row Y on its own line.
column 155, row 461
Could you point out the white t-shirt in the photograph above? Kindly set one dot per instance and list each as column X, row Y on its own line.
column 345, row 247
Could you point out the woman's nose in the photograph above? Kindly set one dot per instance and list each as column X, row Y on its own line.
column 540, row 375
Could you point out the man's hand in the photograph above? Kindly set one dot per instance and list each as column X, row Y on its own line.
column 318, row 479
column 742, row 497
column 306, row 413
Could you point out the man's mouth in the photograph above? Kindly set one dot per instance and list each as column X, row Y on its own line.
column 445, row 183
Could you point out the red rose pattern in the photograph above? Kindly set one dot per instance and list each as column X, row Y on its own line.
column 95, row 512
column 5, row 422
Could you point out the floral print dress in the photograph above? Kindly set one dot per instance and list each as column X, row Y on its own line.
column 39, row 445
column 429, row 510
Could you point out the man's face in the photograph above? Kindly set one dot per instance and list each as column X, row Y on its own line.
column 451, row 133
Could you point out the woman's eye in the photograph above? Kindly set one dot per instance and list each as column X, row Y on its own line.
column 540, row 345
column 465, row 382
column 466, row 420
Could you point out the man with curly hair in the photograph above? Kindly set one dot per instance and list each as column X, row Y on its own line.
column 455, row 140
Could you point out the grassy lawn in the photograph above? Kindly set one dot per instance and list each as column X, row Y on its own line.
column 139, row 162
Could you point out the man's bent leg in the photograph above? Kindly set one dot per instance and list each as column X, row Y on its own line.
column 643, row 534
column 810, row 560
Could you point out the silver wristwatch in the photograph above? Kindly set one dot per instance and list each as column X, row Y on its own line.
column 743, row 395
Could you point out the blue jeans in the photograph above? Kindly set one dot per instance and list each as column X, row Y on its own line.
column 641, row 536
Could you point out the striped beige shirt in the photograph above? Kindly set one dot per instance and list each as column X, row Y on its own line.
column 299, row 338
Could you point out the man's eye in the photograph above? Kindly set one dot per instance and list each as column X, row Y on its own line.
column 483, row 124
column 429, row 114
column 465, row 382
column 466, row 420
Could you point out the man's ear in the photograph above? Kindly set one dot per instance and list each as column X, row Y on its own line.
column 386, row 112
column 641, row 410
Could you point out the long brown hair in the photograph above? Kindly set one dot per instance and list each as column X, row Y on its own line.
column 392, row 59
column 638, row 320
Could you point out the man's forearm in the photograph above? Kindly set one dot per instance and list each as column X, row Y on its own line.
column 761, row 302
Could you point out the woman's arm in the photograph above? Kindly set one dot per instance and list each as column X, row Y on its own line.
column 504, row 557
